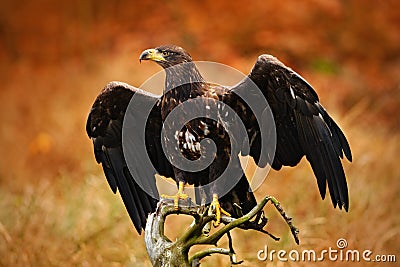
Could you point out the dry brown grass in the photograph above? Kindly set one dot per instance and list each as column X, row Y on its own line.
column 55, row 206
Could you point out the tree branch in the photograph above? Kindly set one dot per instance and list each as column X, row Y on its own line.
column 195, row 259
column 164, row 252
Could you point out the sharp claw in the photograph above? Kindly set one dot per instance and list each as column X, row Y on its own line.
column 176, row 202
column 225, row 212
column 215, row 206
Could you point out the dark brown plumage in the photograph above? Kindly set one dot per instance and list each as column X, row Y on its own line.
column 303, row 128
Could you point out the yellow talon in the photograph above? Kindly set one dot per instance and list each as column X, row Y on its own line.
column 177, row 196
column 218, row 209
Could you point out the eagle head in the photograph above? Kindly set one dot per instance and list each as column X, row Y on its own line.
column 166, row 56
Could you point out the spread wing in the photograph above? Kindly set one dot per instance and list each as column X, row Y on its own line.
column 303, row 127
column 104, row 126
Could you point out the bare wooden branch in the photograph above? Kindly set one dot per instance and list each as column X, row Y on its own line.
column 195, row 259
column 164, row 252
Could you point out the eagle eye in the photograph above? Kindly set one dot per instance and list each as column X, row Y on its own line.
column 165, row 53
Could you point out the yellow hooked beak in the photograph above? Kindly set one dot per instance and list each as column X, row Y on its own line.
column 152, row 54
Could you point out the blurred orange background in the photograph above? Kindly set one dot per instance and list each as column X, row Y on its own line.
column 55, row 206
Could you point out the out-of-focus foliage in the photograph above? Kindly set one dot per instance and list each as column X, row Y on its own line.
column 55, row 56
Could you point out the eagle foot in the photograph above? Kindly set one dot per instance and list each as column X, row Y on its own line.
column 177, row 196
column 216, row 207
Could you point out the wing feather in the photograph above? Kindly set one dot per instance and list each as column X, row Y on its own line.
column 303, row 127
column 104, row 127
